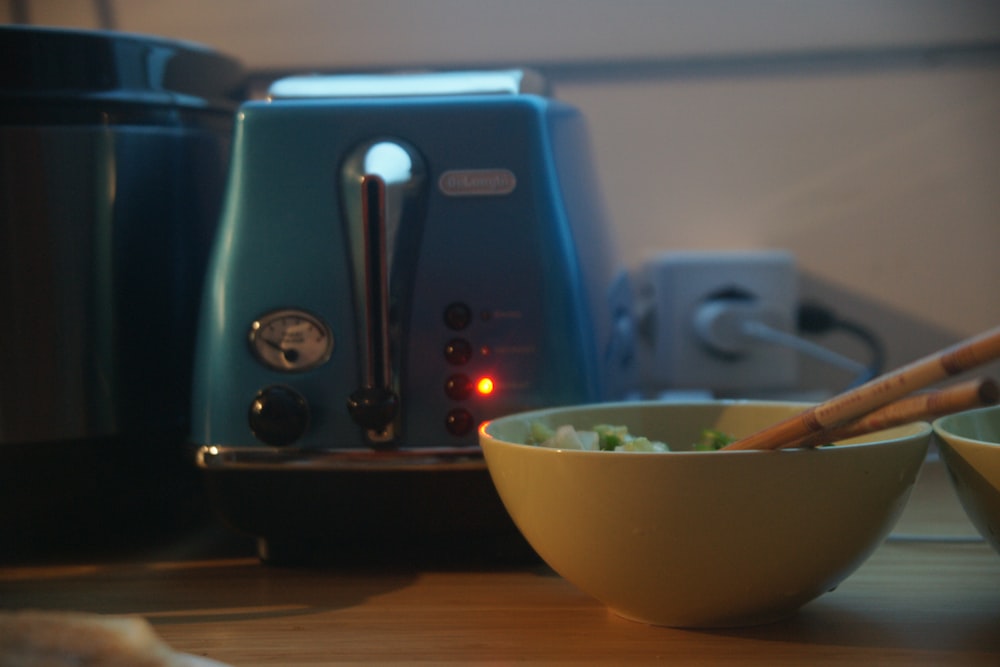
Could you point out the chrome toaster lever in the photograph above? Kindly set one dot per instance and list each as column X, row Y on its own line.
column 374, row 405
column 382, row 188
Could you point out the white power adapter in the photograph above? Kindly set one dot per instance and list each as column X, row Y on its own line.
column 705, row 318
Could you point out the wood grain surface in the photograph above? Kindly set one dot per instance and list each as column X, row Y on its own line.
column 929, row 596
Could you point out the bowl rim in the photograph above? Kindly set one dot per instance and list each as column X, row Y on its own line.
column 943, row 426
column 918, row 428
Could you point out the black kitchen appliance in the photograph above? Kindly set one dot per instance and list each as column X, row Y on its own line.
column 113, row 156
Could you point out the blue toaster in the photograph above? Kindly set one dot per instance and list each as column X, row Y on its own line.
column 399, row 258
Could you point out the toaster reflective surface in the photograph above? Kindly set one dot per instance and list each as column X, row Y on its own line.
column 407, row 266
column 492, row 266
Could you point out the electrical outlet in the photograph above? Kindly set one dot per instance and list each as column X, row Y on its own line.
column 694, row 315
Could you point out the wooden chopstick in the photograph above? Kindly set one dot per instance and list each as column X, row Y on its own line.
column 876, row 393
column 923, row 406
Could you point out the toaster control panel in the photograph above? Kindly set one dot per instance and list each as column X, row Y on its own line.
column 293, row 341
column 469, row 355
column 458, row 387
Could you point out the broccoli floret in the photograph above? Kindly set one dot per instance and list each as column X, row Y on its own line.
column 712, row 440
column 603, row 437
column 610, row 438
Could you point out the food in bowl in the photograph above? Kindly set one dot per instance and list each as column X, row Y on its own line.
column 689, row 538
column 602, row 437
column 969, row 443
column 613, row 438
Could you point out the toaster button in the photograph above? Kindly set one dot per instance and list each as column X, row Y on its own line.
column 457, row 316
column 458, row 351
column 459, row 422
column 458, row 387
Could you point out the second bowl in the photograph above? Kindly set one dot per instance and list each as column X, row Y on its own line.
column 970, row 447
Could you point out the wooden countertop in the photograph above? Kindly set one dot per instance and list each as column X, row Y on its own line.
column 929, row 596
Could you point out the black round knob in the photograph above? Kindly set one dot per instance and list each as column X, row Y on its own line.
column 373, row 408
column 278, row 415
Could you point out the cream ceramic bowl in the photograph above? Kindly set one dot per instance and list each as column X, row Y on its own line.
column 970, row 447
column 701, row 539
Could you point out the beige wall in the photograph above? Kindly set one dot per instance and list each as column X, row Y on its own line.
column 718, row 124
column 365, row 33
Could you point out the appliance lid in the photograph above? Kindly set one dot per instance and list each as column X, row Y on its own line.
column 69, row 73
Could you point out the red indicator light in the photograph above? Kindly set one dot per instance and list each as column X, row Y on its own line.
column 485, row 386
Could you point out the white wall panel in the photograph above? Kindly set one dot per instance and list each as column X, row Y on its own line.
column 372, row 33
column 885, row 184
column 833, row 128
